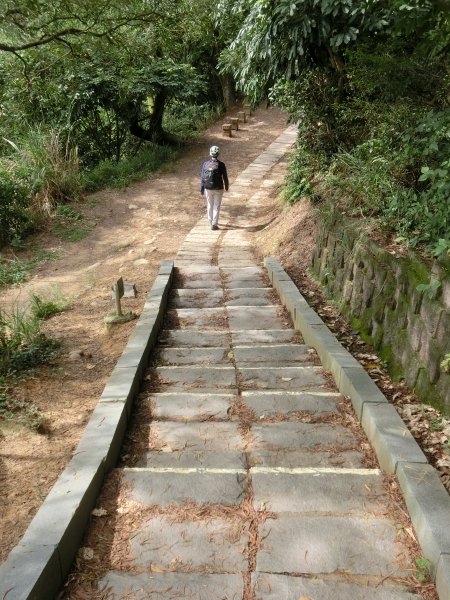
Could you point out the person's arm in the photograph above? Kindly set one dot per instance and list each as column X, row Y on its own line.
column 202, row 185
column 225, row 177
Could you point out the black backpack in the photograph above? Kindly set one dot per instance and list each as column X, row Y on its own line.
column 212, row 178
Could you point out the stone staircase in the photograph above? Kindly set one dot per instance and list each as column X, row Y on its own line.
column 245, row 474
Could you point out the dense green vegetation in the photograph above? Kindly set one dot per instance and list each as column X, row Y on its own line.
column 369, row 83
column 95, row 94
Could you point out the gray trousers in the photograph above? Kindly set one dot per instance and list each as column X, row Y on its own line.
column 213, row 200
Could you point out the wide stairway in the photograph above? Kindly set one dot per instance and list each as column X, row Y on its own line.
column 245, row 474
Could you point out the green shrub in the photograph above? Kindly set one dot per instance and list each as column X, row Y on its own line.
column 298, row 179
column 15, row 215
column 19, row 411
column 186, row 121
column 13, row 271
column 44, row 309
column 121, row 174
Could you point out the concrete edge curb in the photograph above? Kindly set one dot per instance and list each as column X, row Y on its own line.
column 395, row 447
column 37, row 567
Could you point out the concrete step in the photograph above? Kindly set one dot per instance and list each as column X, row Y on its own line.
column 287, row 435
column 283, row 378
column 276, row 587
column 195, row 459
column 195, row 356
column 171, row 586
column 190, row 406
column 163, row 487
column 197, row 298
column 363, row 545
column 192, row 378
column 250, row 297
column 274, row 355
column 184, row 338
column 287, row 404
column 198, row 318
column 256, row 317
column 214, row 436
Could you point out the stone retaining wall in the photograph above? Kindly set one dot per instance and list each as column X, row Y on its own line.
column 377, row 292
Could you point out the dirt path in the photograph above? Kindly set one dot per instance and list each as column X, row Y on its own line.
column 133, row 231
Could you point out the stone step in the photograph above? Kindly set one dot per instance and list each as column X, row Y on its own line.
column 214, row 436
column 164, row 487
column 273, row 355
column 173, row 586
column 194, row 546
column 195, row 459
column 288, row 435
column 196, row 298
column 198, row 318
column 324, row 490
column 190, row 406
column 284, row 587
column 244, row 356
column 287, row 404
column 191, row 379
column 183, row 338
column 261, row 336
column 250, row 297
column 202, row 281
column 256, row 317
column 250, row 277
column 214, row 298
column 317, row 545
column 306, row 457
column 282, row 378
column 195, row 356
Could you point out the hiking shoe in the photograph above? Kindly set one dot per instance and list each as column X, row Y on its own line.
column 214, row 227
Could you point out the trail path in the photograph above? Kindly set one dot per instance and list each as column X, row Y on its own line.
column 245, row 475
column 132, row 231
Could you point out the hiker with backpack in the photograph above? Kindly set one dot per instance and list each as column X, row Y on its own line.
column 213, row 181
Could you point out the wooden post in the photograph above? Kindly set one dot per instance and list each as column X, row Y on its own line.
column 241, row 115
column 248, row 109
column 118, row 293
column 227, row 128
column 234, row 123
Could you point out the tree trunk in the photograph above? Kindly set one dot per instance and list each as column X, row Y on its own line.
column 227, row 90
column 154, row 132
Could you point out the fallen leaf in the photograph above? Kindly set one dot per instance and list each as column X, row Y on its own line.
column 99, row 512
column 87, row 553
column 156, row 569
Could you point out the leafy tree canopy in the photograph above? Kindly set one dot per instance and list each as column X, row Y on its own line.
column 278, row 38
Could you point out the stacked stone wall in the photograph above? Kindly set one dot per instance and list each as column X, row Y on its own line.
column 377, row 290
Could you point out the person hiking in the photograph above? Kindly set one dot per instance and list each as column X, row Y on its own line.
column 213, row 181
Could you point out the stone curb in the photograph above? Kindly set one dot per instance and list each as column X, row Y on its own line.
column 37, row 567
column 426, row 498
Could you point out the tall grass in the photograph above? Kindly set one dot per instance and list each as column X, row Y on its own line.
column 22, row 343
column 53, row 166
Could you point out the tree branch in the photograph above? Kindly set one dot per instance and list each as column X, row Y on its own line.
column 74, row 31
